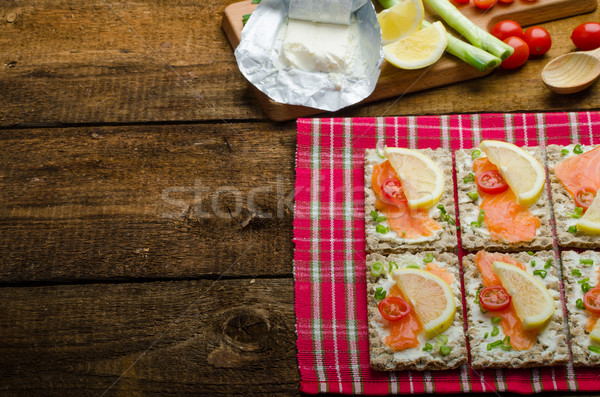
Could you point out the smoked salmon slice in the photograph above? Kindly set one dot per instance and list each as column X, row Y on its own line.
column 580, row 171
column 403, row 333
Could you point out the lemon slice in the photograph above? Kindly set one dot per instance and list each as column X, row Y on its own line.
column 595, row 334
column 532, row 301
column 400, row 20
column 422, row 180
column 431, row 298
column 590, row 221
column 523, row 173
column 419, row 49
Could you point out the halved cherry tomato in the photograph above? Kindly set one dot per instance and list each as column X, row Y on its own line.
column 491, row 182
column 507, row 28
column 393, row 308
column 392, row 192
column 520, row 56
column 584, row 197
column 484, row 4
column 494, row 298
column 506, row 1
column 538, row 39
column 591, row 300
column 586, row 36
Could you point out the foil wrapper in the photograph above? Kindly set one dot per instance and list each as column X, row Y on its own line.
column 260, row 54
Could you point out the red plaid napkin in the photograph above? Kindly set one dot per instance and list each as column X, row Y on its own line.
column 330, row 284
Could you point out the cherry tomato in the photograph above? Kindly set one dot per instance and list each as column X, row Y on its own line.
column 393, row 308
column 520, row 56
column 584, row 197
column 491, row 182
column 462, row 1
column 538, row 39
column 504, row 29
column 586, row 36
column 392, row 192
column 506, row 1
column 494, row 298
column 591, row 300
column 484, row 4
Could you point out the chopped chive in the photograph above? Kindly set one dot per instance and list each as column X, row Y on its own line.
column 564, row 152
column 428, row 347
column 532, row 263
column 585, row 287
column 428, row 258
column 478, row 302
column 475, row 153
column 380, row 293
column 576, row 272
column 548, row 264
column 577, row 212
column 495, row 331
column 255, row 1
column 473, row 195
column 531, row 253
column 413, row 267
column 486, row 335
column 374, row 215
column 393, row 264
column 380, row 152
column 445, row 350
column 572, row 229
column 441, row 208
column 496, row 320
column 376, row 268
column 540, row 272
column 586, row 262
column 492, row 345
column 579, row 304
column 506, row 343
column 380, row 219
column 481, row 216
column 403, row 233
column 577, row 149
column 442, row 338
column 382, row 229
column 469, row 178
column 584, row 280
column 594, row 349
column 245, row 18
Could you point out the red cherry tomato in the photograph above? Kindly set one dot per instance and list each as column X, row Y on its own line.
column 591, row 300
column 538, row 39
column 392, row 192
column 491, row 182
column 506, row 1
column 484, row 4
column 520, row 56
column 586, row 36
column 584, row 197
column 462, row 1
column 494, row 298
column 504, row 29
column 393, row 308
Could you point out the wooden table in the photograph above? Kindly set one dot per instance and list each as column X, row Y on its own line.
column 145, row 200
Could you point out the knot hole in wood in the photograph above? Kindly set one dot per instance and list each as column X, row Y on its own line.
column 247, row 331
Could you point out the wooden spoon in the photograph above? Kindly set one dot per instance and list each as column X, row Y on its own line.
column 572, row 72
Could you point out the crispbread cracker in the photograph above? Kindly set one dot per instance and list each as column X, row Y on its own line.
column 392, row 242
column 551, row 345
column 578, row 318
column 564, row 205
column 474, row 239
column 383, row 358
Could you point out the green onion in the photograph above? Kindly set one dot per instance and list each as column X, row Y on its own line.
column 540, row 272
column 496, row 320
column 380, row 293
column 531, row 253
column 577, row 213
column 376, row 268
column 441, row 208
column 428, row 258
column 382, row 229
column 443, row 339
column 486, row 335
column 478, row 302
column 572, row 229
column 403, row 233
column 380, row 153
column 585, row 287
column 445, row 350
column 374, row 215
column 393, row 264
column 577, row 149
column 532, row 263
column 444, row 215
column 492, row 345
column 428, row 347
column 255, row 1
column 564, row 152
column 584, row 280
column 475, row 153
column 594, row 349
column 576, row 272
column 469, row 178
column 506, row 343
column 413, row 267
column 548, row 264
column 479, row 219
column 495, row 331
column 245, row 18
column 579, row 304
column 473, row 195
column 586, row 262
column 380, row 219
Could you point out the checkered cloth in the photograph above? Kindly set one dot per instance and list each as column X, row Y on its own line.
column 330, row 280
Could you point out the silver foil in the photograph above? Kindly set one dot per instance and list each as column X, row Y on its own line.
column 259, row 58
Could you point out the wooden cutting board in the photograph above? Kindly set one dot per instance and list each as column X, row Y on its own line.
column 393, row 81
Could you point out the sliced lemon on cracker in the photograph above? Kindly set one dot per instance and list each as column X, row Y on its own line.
column 590, row 221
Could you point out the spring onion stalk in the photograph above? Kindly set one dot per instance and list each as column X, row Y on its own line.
column 476, row 57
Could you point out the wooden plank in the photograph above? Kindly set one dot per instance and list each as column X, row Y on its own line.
column 393, row 81
column 196, row 337
column 146, row 202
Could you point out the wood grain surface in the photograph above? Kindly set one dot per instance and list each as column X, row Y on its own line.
column 114, row 120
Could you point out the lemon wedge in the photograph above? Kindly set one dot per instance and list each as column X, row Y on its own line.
column 532, row 301
column 422, row 180
column 590, row 221
column 595, row 334
column 431, row 298
column 400, row 20
column 523, row 173
column 419, row 49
